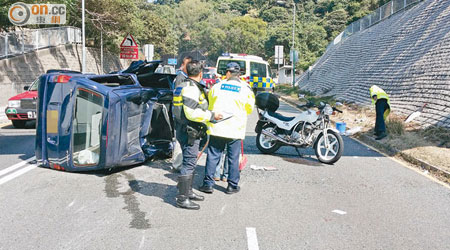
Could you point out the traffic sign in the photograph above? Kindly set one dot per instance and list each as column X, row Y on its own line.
column 293, row 56
column 149, row 52
column 129, row 48
column 279, row 54
column 129, row 41
column 172, row 61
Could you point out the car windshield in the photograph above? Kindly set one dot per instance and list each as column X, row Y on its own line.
column 35, row 85
column 208, row 76
column 222, row 67
column 258, row 69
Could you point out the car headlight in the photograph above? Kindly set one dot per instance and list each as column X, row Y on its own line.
column 14, row 104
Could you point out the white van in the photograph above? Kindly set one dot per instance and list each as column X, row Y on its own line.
column 254, row 70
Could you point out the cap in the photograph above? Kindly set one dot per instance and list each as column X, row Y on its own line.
column 233, row 67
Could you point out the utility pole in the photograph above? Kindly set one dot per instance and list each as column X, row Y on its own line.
column 101, row 52
column 293, row 48
column 83, row 53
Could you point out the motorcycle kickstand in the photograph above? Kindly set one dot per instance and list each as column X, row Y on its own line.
column 298, row 152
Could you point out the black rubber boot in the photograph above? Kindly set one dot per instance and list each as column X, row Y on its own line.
column 184, row 187
column 193, row 196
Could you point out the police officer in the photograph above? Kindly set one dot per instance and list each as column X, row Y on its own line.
column 382, row 108
column 191, row 113
column 235, row 100
column 177, row 157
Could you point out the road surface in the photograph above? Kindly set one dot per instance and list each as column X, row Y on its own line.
column 364, row 201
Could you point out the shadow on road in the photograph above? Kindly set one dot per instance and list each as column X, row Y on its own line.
column 29, row 125
column 166, row 192
column 351, row 148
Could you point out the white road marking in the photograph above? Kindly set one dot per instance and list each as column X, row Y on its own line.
column 17, row 174
column 142, row 242
column 252, row 239
column 339, row 212
column 16, row 166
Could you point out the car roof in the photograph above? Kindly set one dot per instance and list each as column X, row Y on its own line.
column 62, row 71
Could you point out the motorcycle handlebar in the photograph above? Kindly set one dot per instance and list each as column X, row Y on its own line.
column 335, row 109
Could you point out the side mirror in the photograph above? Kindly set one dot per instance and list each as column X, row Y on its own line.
column 26, row 88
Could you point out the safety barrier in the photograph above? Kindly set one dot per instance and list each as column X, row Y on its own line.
column 20, row 42
column 373, row 18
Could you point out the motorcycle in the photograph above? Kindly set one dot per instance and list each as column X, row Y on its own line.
column 309, row 129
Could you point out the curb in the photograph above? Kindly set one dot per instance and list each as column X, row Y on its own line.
column 379, row 147
column 407, row 157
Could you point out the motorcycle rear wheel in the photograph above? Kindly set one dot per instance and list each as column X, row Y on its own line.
column 266, row 144
column 331, row 154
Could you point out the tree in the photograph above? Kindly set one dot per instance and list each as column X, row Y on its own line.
column 246, row 35
column 335, row 22
column 275, row 14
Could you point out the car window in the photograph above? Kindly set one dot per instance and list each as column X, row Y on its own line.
column 35, row 85
column 222, row 66
column 258, row 69
column 87, row 122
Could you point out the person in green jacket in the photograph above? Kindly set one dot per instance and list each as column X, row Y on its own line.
column 382, row 108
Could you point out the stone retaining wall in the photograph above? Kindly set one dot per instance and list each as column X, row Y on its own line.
column 408, row 55
column 16, row 72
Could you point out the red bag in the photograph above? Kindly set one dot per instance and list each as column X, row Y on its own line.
column 243, row 158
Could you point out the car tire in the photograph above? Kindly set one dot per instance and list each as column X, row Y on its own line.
column 19, row 123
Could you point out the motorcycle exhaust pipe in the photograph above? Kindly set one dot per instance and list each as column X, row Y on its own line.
column 275, row 137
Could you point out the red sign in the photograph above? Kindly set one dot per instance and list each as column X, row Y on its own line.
column 129, row 53
column 129, row 48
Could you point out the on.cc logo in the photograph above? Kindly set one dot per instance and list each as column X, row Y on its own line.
column 19, row 13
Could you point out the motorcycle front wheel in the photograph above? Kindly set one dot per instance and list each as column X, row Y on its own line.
column 266, row 144
column 333, row 152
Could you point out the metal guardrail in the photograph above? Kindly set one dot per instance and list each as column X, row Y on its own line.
column 373, row 18
column 20, row 42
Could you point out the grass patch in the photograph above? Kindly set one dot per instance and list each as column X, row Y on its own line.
column 437, row 134
column 287, row 90
column 395, row 126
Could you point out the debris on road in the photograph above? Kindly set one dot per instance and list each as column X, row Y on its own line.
column 352, row 131
column 337, row 211
column 254, row 167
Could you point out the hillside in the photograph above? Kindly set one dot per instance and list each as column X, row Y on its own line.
column 408, row 55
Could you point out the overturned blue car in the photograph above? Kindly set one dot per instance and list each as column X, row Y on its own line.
column 92, row 122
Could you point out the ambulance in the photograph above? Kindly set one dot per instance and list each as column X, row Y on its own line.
column 254, row 70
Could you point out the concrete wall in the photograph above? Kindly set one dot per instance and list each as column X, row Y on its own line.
column 16, row 72
column 408, row 55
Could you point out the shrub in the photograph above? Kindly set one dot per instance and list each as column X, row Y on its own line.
column 395, row 126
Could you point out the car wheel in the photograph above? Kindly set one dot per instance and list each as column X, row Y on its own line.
column 19, row 123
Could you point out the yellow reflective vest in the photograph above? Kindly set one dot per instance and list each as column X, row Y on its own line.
column 190, row 103
column 232, row 97
column 377, row 91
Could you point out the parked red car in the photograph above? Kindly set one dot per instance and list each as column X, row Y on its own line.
column 22, row 107
column 209, row 79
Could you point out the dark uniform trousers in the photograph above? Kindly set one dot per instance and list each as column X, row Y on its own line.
column 380, row 107
column 190, row 152
column 215, row 150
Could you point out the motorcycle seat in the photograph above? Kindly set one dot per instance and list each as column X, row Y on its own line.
column 281, row 117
